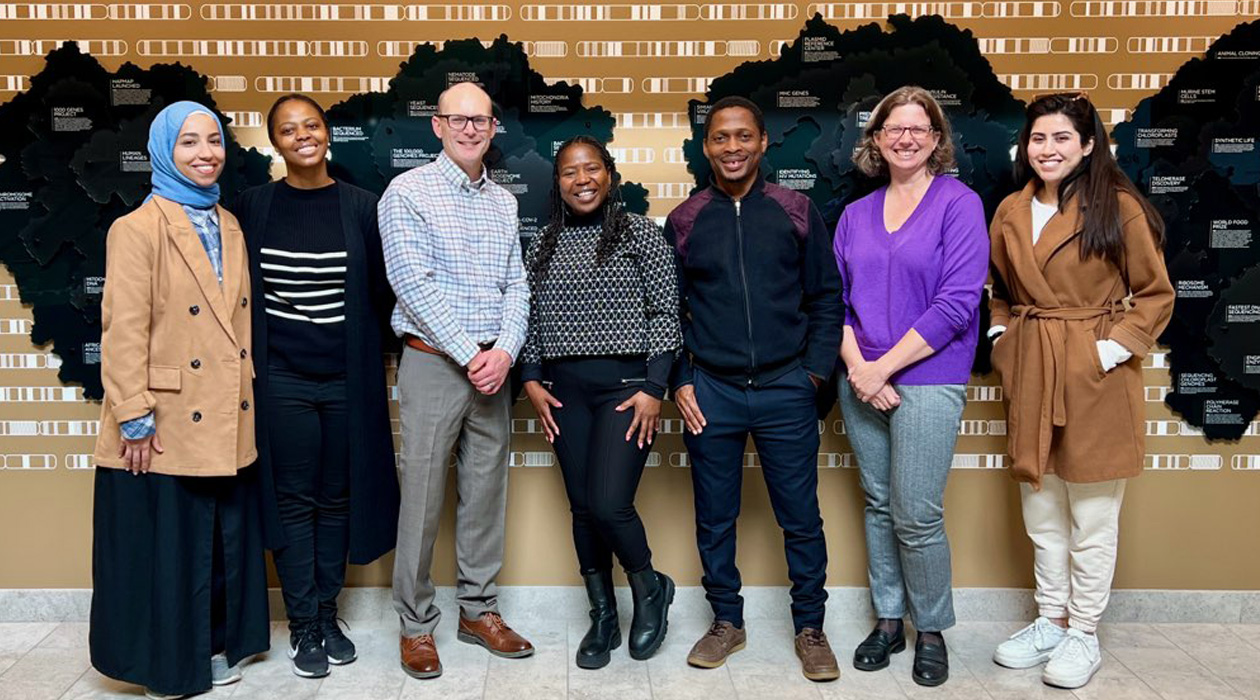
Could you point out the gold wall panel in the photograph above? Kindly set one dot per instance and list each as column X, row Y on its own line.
column 1189, row 521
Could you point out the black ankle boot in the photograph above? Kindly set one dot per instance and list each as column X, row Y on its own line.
column 653, row 592
column 604, row 634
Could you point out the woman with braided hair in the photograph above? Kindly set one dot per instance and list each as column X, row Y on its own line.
column 603, row 335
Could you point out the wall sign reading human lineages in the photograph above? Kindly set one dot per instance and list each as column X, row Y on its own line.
column 1194, row 149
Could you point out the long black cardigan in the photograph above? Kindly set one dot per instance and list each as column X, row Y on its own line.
column 369, row 302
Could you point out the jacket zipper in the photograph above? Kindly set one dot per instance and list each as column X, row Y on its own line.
column 743, row 278
column 633, row 380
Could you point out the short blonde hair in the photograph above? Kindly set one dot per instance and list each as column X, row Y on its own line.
column 868, row 158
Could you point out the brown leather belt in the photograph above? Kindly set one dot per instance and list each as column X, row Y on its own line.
column 422, row 346
column 414, row 342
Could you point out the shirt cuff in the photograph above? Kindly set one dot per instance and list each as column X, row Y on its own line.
column 995, row 331
column 138, row 428
column 1112, row 354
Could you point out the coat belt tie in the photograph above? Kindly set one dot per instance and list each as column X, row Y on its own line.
column 1051, row 325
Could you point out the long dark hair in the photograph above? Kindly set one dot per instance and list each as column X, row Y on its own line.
column 616, row 220
column 1097, row 180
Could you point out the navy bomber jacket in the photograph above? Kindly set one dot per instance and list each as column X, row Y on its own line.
column 759, row 290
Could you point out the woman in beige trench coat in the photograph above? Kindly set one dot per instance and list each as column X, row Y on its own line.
column 1080, row 293
column 179, row 580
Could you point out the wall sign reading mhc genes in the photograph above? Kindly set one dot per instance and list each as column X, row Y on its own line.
column 1178, row 81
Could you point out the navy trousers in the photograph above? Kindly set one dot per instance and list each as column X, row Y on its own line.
column 782, row 420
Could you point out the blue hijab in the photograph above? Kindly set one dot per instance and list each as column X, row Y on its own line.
column 167, row 180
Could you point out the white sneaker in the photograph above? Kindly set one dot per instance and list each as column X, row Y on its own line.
column 221, row 673
column 1030, row 646
column 1073, row 662
column 154, row 695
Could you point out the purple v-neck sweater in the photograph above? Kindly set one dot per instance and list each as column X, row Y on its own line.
column 927, row 276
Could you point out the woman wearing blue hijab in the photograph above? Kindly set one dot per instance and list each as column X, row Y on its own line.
column 179, row 583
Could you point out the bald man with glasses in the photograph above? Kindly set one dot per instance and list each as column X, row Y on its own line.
column 452, row 253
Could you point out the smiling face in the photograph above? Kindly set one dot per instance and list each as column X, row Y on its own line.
column 466, row 146
column 199, row 151
column 1055, row 149
column 907, row 154
column 584, row 180
column 300, row 135
column 734, row 147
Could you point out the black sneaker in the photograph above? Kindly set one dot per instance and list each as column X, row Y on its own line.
column 306, row 648
column 337, row 645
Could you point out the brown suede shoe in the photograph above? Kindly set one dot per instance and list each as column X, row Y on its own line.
column 722, row 640
column 491, row 632
column 817, row 661
column 419, row 656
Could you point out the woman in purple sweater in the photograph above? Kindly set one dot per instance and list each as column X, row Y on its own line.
column 913, row 256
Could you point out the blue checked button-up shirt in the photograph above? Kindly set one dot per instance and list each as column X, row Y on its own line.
column 453, row 256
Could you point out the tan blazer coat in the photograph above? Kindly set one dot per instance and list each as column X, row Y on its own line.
column 1065, row 415
column 177, row 343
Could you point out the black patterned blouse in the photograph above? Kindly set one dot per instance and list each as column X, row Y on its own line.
column 626, row 306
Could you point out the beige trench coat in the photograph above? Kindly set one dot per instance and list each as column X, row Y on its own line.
column 176, row 342
column 1065, row 415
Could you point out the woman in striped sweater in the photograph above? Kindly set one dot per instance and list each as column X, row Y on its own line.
column 321, row 304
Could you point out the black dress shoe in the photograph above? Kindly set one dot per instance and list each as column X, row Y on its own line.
column 874, row 651
column 931, row 662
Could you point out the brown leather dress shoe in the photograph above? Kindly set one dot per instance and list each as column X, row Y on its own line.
column 491, row 632
column 817, row 661
column 722, row 640
column 419, row 656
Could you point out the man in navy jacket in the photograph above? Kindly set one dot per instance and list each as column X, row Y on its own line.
column 761, row 317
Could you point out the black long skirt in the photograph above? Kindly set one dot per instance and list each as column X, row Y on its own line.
column 178, row 574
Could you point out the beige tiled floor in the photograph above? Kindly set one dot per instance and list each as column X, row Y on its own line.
column 1143, row 662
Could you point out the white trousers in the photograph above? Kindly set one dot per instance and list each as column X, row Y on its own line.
column 1074, row 529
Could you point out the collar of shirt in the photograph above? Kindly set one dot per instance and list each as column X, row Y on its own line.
column 456, row 175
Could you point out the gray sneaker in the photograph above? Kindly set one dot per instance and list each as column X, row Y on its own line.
column 221, row 673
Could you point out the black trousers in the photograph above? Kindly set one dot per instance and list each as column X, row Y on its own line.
column 308, row 430
column 601, row 469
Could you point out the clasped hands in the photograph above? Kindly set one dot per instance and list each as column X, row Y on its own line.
column 488, row 370
column 869, row 381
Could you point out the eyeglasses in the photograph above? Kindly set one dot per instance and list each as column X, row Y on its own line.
column 459, row 121
column 917, row 132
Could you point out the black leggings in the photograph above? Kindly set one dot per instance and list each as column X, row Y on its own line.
column 601, row 469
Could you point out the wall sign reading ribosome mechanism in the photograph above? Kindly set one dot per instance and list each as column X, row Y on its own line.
column 1194, row 149
column 75, row 159
column 376, row 136
column 818, row 95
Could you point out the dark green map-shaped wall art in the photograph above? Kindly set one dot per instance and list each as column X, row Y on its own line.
column 819, row 93
column 1194, row 149
column 75, row 161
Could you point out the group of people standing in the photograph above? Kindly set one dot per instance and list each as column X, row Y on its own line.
column 245, row 404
